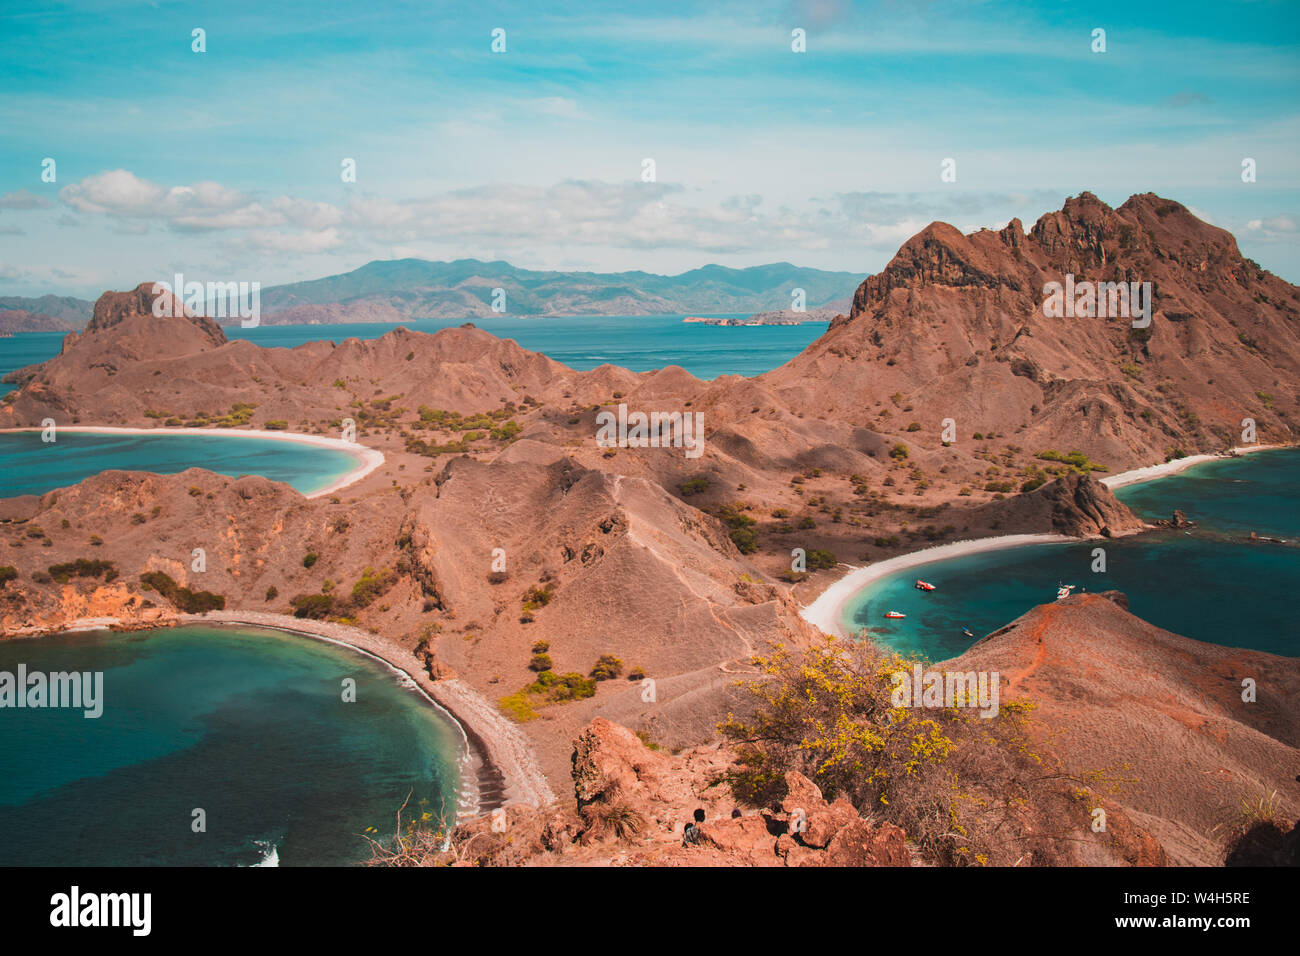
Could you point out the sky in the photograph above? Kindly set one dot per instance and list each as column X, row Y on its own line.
column 228, row 164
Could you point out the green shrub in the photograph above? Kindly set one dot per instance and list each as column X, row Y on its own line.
column 7, row 573
column 83, row 568
column 607, row 667
column 740, row 527
column 898, row 452
column 191, row 602
column 820, row 560
column 313, row 606
column 309, row 559
column 694, row 486
column 540, row 662
column 372, row 584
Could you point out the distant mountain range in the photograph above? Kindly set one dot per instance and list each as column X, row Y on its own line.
column 46, row 313
column 401, row 289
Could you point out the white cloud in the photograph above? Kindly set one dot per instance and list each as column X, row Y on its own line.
column 527, row 222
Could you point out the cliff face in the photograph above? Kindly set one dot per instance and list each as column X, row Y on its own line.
column 955, row 325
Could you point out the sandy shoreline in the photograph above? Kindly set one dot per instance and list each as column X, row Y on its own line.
column 501, row 756
column 498, row 761
column 368, row 459
column 824, row 612
column 1152, row 472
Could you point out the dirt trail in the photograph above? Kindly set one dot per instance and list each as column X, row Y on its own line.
column 1049, row 611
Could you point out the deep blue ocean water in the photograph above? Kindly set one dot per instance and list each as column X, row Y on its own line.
column 638, row 342
column 1210, row 583
column 31, row 466
column 247, row 724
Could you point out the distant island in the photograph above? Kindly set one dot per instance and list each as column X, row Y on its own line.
column 752, row 320
column 826, row 313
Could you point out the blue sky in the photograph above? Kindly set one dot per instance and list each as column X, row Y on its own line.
column 226, row 164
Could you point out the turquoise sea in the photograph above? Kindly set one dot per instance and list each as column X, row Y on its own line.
column 248, row 725
column 31, row 466
column 1210, row 582
column 638, row 342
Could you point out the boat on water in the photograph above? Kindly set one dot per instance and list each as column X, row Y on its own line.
column 967, row 632
column 1063, row 591
column 924, row 585
column 894, row 614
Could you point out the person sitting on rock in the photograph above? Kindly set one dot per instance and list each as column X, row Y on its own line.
column 691, row 832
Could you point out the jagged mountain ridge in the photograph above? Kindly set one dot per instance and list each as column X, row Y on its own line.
column 954, row 327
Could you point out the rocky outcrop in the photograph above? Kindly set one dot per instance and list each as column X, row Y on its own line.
column 633, row 803
column 1075, row 505
column 113, row 309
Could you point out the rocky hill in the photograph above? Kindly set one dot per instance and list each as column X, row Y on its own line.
column 1162, row 716
column 954, row 328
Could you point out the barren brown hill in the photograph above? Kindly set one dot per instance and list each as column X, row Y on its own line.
column 1163, row 716
column 132, row 367
column 594, row 565
column 954, row 328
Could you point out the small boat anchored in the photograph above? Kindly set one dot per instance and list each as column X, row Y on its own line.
column 924, row 585
column 967, row 632
column 894, row 614
column 1063, row 591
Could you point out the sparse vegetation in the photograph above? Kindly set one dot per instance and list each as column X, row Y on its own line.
column 371, row 585
column 740, row 527
column 315, row 607
column 694, row 486
column 956, row 782
column 83, row 568
column 191, row 602
column 607, row 667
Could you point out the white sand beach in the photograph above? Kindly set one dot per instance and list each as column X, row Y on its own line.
column 368, row 459
column 1168, row 468
column 825, row 612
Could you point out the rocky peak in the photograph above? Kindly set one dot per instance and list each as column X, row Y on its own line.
column 114, row 308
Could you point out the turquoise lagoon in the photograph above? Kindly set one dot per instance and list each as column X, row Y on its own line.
column 249, row 725
column 1211, row 582
column 31, row 466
